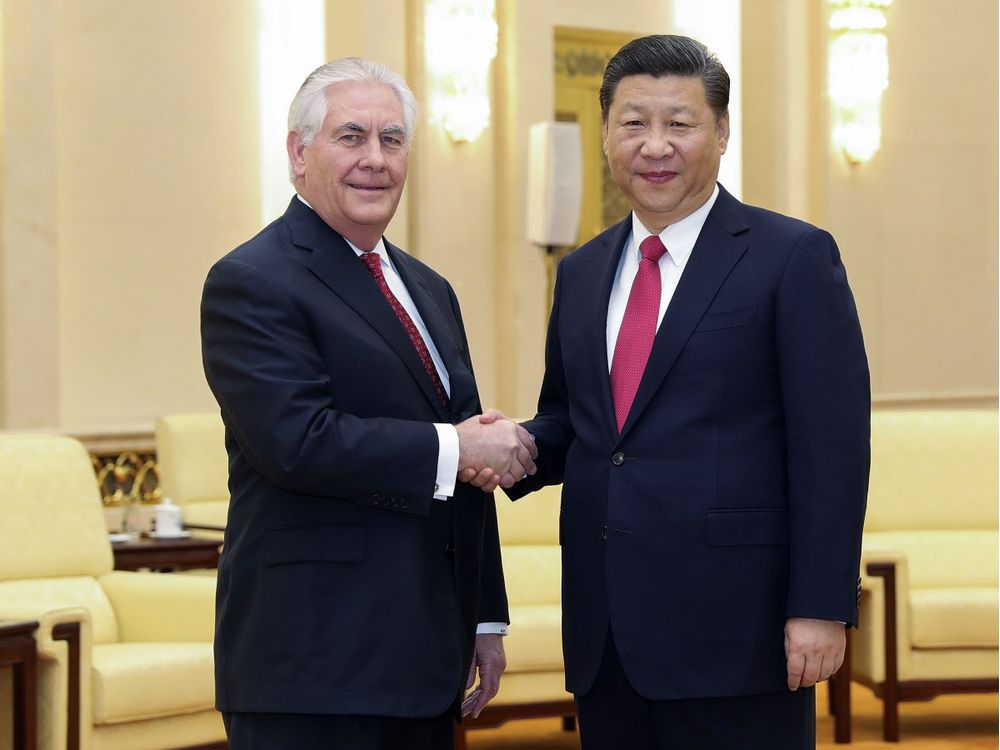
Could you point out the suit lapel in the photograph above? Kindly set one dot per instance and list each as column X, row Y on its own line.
column 718, row 249
column 598, row 326
column 337, row 266
column 447, row 340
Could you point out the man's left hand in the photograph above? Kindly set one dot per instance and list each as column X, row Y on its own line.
column 814, row 650
column 490, row 661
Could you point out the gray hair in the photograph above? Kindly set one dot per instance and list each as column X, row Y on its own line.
column 308, row 109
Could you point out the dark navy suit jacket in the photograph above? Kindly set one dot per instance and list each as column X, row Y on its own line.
column 344, row 587
column 734, row 496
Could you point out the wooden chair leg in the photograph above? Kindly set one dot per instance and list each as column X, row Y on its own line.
column 890, row 688
column 569, row 723
column 459, row 737
column 840, row 698
column 890, row 712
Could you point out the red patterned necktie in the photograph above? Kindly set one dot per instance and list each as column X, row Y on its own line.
column 635, row 337
column 373, row 262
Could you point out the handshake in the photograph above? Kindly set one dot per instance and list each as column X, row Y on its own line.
column 494, row 451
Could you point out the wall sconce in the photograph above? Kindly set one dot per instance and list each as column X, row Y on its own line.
column 460, row 42
column 858, row 75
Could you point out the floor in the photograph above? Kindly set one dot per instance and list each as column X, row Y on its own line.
column 949, row 722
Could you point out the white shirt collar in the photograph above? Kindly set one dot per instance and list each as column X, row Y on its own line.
column 678, row 238
column 379, row 248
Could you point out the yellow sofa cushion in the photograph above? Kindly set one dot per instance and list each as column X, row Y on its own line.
column 532, row 573
column 954, row 618
column 534, row 643
column 133, row 681
column 531, row 520
column 946, row 558
column 537, row 687
column 58, row 501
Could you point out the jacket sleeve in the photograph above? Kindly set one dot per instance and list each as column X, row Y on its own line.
column 823, row 372
column 274, row 391
column 493, row 605
column 551, row 425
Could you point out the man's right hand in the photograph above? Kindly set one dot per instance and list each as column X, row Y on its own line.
column 499, row 449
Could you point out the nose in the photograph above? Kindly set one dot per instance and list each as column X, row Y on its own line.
column 657, row 144
column 372, row 156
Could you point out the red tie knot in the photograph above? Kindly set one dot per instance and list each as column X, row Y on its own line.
column 652, row 248
column 373, row 262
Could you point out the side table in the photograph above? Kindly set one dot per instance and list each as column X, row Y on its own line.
column 18, row 650
column 166, row 554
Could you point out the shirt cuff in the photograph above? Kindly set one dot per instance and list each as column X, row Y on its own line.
column 496, row 628
column 447, row 467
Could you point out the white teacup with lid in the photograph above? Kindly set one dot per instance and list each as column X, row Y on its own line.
column 168, row 519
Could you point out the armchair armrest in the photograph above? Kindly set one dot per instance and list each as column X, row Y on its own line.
column 162, row 606
column 62, row 638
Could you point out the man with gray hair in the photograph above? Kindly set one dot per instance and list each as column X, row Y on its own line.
column 360, row 590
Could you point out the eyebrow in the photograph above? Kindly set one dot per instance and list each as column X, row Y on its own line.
column 355, row 127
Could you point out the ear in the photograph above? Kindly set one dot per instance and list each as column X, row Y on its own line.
column 604, row 136
column 296, row 157
column 722, row 130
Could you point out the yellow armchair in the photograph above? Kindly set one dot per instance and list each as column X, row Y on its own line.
column 194, row 468
column 139, row 674
column 929, row 609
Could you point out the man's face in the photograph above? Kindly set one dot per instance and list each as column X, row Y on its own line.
column 663, row 145
column 353, row 173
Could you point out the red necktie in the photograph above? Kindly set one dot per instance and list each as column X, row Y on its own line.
column 635, row 337
column 373, row 262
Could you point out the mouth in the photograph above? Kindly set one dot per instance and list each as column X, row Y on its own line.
column 368, row 188
column 658, row 178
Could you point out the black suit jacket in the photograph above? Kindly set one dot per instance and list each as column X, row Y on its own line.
column 344, row 587
column 734, row 496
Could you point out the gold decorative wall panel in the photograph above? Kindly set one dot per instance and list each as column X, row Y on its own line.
column 580, row 58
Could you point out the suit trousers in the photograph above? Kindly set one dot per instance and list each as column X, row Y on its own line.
column 262, row 731
column 613, row 715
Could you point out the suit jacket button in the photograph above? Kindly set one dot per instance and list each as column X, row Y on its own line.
column 618, row 459
column 402, row 503
column 449, row 549
column 377, row 499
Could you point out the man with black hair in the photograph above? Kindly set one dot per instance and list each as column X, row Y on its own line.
column 706, row 405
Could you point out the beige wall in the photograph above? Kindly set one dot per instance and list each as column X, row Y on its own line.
column 130, row 163
column 917, row 225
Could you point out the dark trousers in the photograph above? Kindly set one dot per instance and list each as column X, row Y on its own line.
column 614, row 716
column 254, row 731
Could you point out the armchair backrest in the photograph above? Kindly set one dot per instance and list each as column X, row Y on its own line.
column 191, row 452
column 53, row 539
column 51, row 520
column 529, row 542
column 933, row 493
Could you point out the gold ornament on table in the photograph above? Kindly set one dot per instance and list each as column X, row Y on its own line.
column 129, row 487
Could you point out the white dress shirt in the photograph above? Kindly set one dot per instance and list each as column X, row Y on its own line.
column 679, row 240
